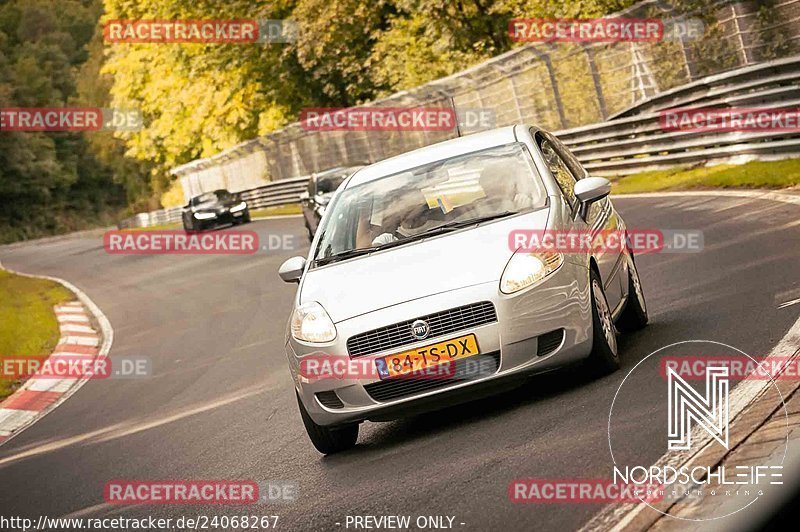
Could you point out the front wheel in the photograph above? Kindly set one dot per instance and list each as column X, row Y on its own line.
column 328, row 440
column 634, row 317
column 604, row 356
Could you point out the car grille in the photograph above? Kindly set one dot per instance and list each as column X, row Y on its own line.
column 549, row 342
column 329, row 399
column 440, row 323
column 399, row 387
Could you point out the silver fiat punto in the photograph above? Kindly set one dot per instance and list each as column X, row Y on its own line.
column 415, row 295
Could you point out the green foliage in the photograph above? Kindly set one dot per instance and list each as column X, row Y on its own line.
column 48, row 181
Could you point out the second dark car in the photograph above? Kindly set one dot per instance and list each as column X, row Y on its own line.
column 321, row 187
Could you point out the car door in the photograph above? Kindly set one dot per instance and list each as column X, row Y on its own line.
column 601, row 216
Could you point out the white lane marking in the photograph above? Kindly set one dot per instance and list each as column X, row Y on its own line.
column 789, row 303
column 14, row 417
column 72, row 317
column 50, row 385
column 616, row 517
column 79, row 340
column 126, row 428
column 72, row 327
column 108, row 339
column 98, row 508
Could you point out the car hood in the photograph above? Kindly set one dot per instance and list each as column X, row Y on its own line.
column 439, row 264
column 214, row 206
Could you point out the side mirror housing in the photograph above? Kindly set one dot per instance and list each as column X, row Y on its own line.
column 589, row 190
column 292, row 269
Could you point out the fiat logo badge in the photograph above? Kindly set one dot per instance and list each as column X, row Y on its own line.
column 420, row 329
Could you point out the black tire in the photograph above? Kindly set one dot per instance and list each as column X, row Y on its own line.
column 634, row 316
column 187, row 225
column 604, row 357
column 328, row 440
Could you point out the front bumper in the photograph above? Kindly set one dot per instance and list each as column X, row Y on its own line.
column 223, row 218
column 560, row 303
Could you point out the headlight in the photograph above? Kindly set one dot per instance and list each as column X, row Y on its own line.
column 526, row 269
column 310, row 323
column 240, row 207
column 204, row 215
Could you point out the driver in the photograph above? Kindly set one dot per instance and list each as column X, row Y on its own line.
column 415, row 218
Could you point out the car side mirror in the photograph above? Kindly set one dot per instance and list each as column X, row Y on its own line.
column 292, row 269
column 589, row 190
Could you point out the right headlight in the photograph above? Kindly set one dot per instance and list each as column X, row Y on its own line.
column 526, row 269
column 310, row 323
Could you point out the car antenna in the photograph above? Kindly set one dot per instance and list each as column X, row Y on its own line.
column 458, row 126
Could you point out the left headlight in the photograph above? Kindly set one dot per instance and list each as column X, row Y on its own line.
column 526, row 269
column 310, row 323
column 240, row 207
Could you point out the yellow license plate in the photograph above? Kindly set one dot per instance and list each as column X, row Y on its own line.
column 422, row 359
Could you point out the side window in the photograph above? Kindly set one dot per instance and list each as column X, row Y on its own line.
column 569, row 159
column 596, row 208
column 557, row 167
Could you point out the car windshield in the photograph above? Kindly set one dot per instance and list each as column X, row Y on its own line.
column 429, row 199
column 208, row 197
column 330, row 183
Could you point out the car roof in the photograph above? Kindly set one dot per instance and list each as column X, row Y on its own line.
column 434, row 152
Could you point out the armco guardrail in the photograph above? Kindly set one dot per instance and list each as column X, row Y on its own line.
column 636, row 143
column 277, row 193
column 635, row 140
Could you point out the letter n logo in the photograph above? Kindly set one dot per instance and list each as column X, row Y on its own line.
column 685, row 405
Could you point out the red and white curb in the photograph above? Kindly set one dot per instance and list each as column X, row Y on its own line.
column 84, row 331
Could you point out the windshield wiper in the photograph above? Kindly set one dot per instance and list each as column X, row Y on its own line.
column 342, row 255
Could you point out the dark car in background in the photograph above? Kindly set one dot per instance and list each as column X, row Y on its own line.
column 321, row 186
column 212, row 209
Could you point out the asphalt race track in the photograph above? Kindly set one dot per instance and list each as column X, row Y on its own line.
column 220, row 403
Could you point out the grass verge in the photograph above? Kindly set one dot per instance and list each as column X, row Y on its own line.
column 277, row 210
column 755, row 174
column 28, row 325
